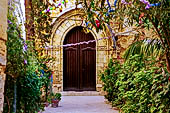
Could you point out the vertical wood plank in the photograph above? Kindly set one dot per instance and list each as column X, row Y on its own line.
column 79, row 62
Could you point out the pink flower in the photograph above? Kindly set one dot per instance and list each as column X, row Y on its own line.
column 169, row 78
column 140, row 22
column 98, row 25
column 142, row 14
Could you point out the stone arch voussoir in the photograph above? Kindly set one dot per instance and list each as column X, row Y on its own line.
column 62, row 25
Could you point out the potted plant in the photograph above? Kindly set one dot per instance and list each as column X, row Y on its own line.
column 55, row 99
column 48, row 102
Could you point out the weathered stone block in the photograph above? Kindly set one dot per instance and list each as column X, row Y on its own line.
column 3, row 38
column 104, row 50
column 2, row 83
column 2, row 53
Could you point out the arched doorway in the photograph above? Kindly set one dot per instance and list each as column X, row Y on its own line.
column 79, row 62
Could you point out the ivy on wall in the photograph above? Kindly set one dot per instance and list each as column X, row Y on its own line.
column 40, row 23
column 27, row 75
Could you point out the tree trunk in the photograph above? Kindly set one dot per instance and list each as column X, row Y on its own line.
column 168, row 61
column 46, row 91
column 15, row 97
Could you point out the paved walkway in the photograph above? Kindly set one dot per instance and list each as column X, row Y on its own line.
column 81, row 104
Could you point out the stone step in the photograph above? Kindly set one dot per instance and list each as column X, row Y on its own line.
column 82, row 93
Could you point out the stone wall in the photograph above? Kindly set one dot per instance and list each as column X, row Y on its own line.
column 64, row 21
column 62, row 26
column 20, row 14
column 3, row 38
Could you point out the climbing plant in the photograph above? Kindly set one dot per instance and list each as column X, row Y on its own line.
column 27, row 75
column 15, row 53
column 151, row 14
column 98, row 14
column 41, row 23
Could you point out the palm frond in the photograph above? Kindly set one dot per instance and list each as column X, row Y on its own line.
column 146, row 47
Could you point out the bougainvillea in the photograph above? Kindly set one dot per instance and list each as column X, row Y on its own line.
column 151, row 14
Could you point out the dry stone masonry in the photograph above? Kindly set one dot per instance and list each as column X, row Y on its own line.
column 64, row 21
column 3, row 38
column 104, row 51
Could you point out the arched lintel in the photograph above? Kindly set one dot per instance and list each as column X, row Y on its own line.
column 62, row 25
column 70, row 28
column 68, row 17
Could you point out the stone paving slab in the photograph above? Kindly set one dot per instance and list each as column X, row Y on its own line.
column 82, row 104
column 83, row 93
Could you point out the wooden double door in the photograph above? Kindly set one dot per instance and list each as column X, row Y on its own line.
column 79, row 62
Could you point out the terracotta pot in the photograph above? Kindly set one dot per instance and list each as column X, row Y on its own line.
column 46, row 104
column 55, row 102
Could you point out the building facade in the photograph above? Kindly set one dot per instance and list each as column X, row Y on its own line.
column 3, row 38
column 77, row 68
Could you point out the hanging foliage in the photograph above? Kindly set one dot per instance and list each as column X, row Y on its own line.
column 38, row 23
column 150, row 14
column 27, row 76
column 98, row 14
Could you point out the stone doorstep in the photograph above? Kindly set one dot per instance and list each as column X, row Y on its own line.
column 82, row 93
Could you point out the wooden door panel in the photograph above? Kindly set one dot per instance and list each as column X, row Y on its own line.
column 79, row 63
column 88, row 70
column 71, row 70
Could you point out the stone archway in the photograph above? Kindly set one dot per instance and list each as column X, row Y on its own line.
column 62, row 26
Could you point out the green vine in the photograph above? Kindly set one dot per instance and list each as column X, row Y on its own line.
column 41, row 23
column 27, row 75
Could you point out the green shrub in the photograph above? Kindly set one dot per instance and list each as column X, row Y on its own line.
column 137, row 86
column 58, row 96
column 109, row 78
column 27, row 75
column 34, row 78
